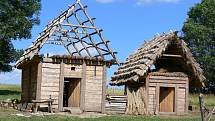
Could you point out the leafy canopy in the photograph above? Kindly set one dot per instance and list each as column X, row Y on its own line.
column 199, row 32
column 17, row 17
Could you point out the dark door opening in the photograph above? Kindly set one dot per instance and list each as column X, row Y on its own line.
column 167, row 99
column 71, row 93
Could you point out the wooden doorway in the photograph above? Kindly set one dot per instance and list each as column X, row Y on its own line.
column 167, row 99
column 72, row 92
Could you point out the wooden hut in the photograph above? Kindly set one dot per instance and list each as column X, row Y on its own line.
column 76, row 80
column 158, row 75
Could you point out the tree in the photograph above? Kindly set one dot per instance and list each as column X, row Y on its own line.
column 199, row 33
column 17, row 17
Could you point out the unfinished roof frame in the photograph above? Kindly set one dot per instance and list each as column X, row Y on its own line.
column 77, row 38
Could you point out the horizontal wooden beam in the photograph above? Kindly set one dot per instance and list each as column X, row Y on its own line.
column 171, row 55
column 81, row 26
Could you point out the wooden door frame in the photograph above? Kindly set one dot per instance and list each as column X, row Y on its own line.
column 82, row 90
column 62, row 90
column 174, row 98
column 158, row 100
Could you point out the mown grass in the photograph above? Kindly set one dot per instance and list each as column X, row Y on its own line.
column 13, row 92
column 10, row 92
column 106, row 118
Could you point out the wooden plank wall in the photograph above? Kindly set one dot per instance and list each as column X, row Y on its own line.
column 93, row 94
column 179, row 83
column 50, row 82
column 29, row 82
column 151, row 100
column 25, row 84
column 68, row 72
column 181, row 100
column 33, row 81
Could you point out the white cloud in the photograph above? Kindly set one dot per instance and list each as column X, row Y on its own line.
column 13, row 77
column 105, row 1
column 142, row 2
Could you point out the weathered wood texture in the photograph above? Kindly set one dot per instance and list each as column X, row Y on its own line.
column 116, row 104
column 50, row 83
column 74, row 93
column 81, row 36
column 177, row 96
column 166, row 99
column 29, row 82
column 48, row 78
column 73, row 71
column 136, row 100
column 163, row 47
column 93, row 93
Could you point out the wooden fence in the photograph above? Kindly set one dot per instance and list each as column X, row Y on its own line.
column 116, row 104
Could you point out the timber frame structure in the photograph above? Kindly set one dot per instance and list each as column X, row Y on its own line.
column 157, row 77
column 76, row 81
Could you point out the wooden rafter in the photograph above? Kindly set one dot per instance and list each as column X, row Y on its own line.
column 69, row 31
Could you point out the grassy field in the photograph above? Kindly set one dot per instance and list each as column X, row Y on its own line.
column 12, row 117
column 9, row 92
column 209, row 100
column 13, row 92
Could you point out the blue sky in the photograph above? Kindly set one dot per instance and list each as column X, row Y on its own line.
column 126, row 23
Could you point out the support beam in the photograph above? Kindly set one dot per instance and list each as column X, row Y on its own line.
column 39, row 81
column 61, row 86
column 83, row 86
column 104, row 79
column 80, row 26
column 172, row 56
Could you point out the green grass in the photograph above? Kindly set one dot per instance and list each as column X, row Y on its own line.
column 13, row 92
column 106, row 118
column 10, row 92
column 114, row 92
column 208, row 99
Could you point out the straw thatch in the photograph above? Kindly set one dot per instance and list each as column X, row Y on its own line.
column 137, row 65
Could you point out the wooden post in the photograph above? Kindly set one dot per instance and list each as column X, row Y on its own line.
column 147, row 94
column 104, row 88
column 157, row 99
column 61, row 86
column 83, row 86
column 176, row 99
column 187, row 96
column 39, row 81
column 201, row 102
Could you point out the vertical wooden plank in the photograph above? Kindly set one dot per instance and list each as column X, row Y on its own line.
column 74, row 93
column 176, row 99
column 166, row 101
column 147, row 94
column 39, row 81
column 61, row 87
column 83, row 86
column 187, row 96
column 104, row 88
column 29, row 80
column 157, row 99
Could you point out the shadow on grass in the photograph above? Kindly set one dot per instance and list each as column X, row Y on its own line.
column 9, row 92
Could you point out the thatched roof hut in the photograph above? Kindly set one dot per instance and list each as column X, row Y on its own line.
column 138, row 64
column 158, row 76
